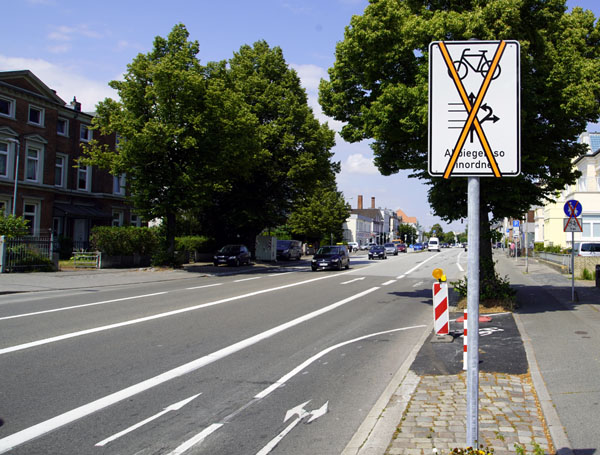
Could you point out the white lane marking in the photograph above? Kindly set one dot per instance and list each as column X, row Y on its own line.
column 174, row 407
column 204, row 286
column 457, row 263
column 247, row 279
column 285, row 378
column 20, row 437
column 388, row 282
column 400, row 277
column 67, row 336
column 417, row 284
column 281, row 273
column 419, row 265
column 79, row 306
column 196, row 439
column 352, row 281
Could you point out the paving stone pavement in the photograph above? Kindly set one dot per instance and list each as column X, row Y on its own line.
column 436, row 415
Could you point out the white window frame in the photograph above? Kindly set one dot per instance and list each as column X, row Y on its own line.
column 38, row 160
column 35, row 226
column 118, row 217
column 88, row 133
column 4, row 207
column 63, row 169
column 5, row 153
column 119, row 185
column 591, row 222
column 11, row 107
column 135, row 220
column 42, row 115
column 88, row 178
column 66, row 123
column 582, row 184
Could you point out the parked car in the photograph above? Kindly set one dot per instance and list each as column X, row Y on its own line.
column 289, row 249
column 589, row 249
column 377, row 251
column 232, row 255
column 352, row 246
column 366, row 246
column 401, row 247
column 418, row 246
column 390, row 248
column 433, row 244
column 331, row 257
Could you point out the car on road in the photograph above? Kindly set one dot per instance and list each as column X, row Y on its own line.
column 377, row 251
column 233, row 255
column 366, row 246
column 352, row 246
column 401, row 247
column 289, row 249
column 418, row 246
column 589, row 249
column 390, row 248
column 433, row 244
column 330, row 257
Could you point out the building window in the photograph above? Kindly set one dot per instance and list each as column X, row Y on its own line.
column 84, row 178
column 3, row 159
column 36, row 116
column 32, row 167
column 4, row 207
column 60, row 170
column 136, row 220
column 581, row 184
column 119, row 184
column 117, row 218
column 31, row 214
column 7, row 107
column 62, row 127
column 591, row 227
column 85, row 134
column 57, row 226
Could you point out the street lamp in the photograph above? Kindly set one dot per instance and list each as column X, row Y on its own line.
column 15, row 141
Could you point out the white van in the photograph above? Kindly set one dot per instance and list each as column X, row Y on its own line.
column 433, row 244
column 589, row 249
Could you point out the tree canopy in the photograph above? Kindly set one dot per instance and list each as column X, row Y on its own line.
column 231, row 143
column 378, row 86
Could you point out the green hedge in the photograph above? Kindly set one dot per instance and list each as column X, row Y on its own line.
column 124, row 240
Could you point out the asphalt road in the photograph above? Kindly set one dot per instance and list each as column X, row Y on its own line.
column 276, row 361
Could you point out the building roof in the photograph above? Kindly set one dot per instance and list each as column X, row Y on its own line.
column 404, row 218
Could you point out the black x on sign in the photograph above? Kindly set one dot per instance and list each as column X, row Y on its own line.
column 474, row 109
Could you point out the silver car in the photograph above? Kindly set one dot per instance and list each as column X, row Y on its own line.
column 390, row 248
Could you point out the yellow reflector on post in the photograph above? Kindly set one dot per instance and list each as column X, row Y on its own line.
column 437, row 273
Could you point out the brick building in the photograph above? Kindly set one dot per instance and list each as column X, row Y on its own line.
column 42, row 136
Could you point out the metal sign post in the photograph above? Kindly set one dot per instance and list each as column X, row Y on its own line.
column 474, row 131
column 473, row 312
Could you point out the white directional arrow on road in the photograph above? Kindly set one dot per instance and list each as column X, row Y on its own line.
column 174, row 407
column 300, row 413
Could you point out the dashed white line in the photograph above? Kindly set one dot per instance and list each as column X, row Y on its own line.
column 205, row 286
column 388, row 282
column 247, row 279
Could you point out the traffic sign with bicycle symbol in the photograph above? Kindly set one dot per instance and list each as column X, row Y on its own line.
column 474, row 108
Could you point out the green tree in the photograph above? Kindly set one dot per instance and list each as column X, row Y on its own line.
column 378, row 86
column 13, row 226
column 320, row 216
column 436, row 231
column 182, row 133
column 295, row 149
column 407, row 233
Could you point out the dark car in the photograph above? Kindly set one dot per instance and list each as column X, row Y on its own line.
column 377, row 251
column 331, row 257
column 232, row 255
column 401, row 247
column 289, row 249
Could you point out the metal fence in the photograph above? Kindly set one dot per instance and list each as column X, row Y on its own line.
column 21, row 254
column 560, row 259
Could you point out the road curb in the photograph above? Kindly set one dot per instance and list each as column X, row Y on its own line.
column 562, row 445
column 375, row 433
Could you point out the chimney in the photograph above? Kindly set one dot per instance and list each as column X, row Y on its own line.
column 372, row 202
column 76, row 105
column 359, row 202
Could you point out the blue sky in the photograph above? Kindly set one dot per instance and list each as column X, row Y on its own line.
column 77, row 47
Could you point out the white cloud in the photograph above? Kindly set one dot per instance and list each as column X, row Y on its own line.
column 311, row 76
column 66, row 33
column 357, row 163
column 65, row 81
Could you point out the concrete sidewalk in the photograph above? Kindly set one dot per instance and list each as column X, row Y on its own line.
column 427, row 411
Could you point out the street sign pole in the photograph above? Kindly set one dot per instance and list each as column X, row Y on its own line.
column 473, row 312
column 572, row 266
